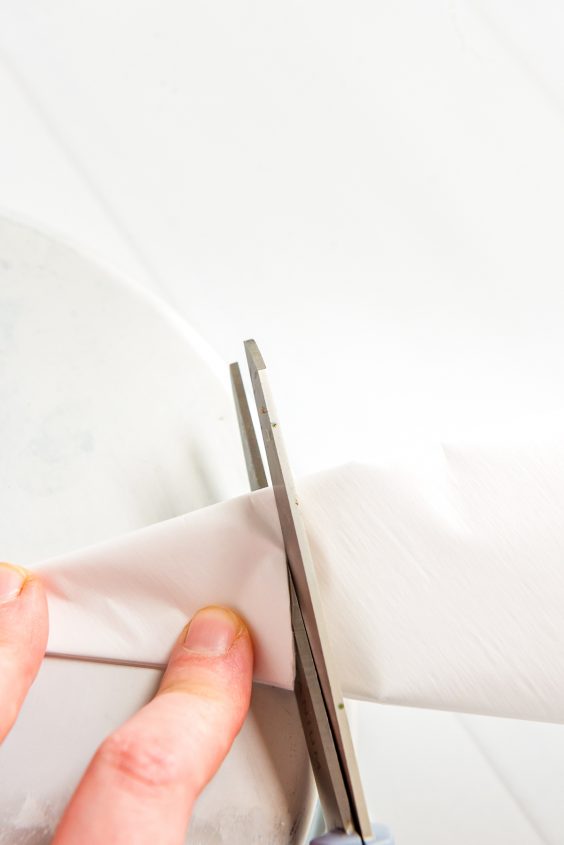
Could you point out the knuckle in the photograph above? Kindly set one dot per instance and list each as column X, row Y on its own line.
column 141, row 761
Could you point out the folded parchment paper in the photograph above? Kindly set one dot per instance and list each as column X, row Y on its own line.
column 442, row 578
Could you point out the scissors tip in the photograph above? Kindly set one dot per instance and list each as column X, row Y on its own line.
column 254, row 357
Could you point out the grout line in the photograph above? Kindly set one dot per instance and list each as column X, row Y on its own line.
column 519, row 58
column 490, row 761
column 84, row 175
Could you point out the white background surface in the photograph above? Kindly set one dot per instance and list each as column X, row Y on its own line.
column 374, row 191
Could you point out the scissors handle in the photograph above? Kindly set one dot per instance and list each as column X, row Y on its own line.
column 382, row 836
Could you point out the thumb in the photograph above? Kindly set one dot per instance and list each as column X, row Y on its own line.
column 144, row 779
column 23, row 638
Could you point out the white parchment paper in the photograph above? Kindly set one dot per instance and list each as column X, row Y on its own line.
column 442, row 578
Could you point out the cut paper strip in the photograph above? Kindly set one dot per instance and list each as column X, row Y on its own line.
column 128, row 599
column 442, row 579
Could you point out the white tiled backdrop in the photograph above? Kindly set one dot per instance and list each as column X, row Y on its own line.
column 369, row 189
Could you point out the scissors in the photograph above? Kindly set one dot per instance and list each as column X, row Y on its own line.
column 317, row 687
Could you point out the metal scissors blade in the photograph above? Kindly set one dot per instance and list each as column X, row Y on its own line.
column 318, row 690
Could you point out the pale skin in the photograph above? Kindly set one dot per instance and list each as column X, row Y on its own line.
column 143, row 781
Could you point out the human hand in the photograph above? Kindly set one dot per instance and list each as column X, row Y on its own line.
column 144, row 779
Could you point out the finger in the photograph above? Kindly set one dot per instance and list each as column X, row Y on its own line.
column 144, row 779
column 23, row 638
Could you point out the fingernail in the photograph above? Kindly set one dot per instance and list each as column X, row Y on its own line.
column 212, row 631
column 12, row 579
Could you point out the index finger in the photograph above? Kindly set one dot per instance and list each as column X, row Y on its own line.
column 144, row 779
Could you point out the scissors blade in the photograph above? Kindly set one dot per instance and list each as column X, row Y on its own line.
column 319, row 694
column 251, row 450
column 313, row 714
